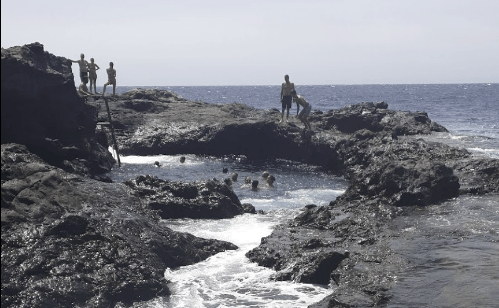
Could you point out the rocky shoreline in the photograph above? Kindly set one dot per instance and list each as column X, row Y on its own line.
column 68, row 238
column 71, row 238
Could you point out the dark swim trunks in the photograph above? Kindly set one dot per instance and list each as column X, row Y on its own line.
column 83, row 74
column 286, row 101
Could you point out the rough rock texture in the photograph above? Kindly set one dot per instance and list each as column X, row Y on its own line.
column 410, row 172
column 41, row 109
column 69, row 241
column 312, row 253
column 173, row 125
column 209, row 199
column 378, row 150
column 376, row 117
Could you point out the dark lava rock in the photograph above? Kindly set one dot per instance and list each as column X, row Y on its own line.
column 210, row 199
column 376, row 117
column 69, row 241
column 406, row 183
column 249, row 208
column 42, row 110
column 477, row 176
column 378, row 150
column 178, row 126
column 298, row 255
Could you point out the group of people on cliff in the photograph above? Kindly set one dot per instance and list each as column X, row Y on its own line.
column 88, row 71
column 288, row 94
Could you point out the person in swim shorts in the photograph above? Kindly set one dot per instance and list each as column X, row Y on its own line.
column 111, row 78
column 92, row 70
column 303, row 116
column 83, row 67
column 286, row 98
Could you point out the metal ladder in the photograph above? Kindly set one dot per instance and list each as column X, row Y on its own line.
column 110, row 125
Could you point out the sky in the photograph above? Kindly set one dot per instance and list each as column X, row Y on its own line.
column 257, row 42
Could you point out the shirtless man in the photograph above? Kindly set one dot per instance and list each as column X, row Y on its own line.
column 92, row 68
column 83, row 66
column 303, row 116
column 286, row 97
column 111, row 78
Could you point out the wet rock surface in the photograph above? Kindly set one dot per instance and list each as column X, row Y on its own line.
column 69, row 239
column 209, row 199
column 379, row 151
column 72, row 241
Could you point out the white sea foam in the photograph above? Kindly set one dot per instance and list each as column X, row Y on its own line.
column 218, row 282
column 229, row 279
column 456, row 137
column 164, row 160
column 295, row 199
column 492, row 153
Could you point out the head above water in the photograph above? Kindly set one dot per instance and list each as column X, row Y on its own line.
column 254, row 184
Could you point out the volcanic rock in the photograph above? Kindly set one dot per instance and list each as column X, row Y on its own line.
column 41, row 110
column 209, row 199
column 68, row 240
column 73, row 241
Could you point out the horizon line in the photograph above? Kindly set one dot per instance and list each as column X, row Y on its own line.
column 325, row 84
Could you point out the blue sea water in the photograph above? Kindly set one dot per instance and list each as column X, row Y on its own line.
column 451, row 248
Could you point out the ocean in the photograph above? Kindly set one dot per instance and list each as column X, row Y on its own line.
column 452, row 248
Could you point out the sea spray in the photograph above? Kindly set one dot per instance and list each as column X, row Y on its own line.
column 229, row 279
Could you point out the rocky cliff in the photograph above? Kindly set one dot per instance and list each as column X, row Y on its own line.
column 41, row 110
column 69, row 240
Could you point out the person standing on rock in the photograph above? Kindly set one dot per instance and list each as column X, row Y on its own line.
column 92, row 68
column 111, row 78
column 303, row 116
column 286, row 98
column 83, row 67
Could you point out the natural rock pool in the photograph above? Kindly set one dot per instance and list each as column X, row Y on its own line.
column 229, row 279
column 449, row 251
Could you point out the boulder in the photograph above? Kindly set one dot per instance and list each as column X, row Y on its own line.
column 209, row 199
column 377, row 117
